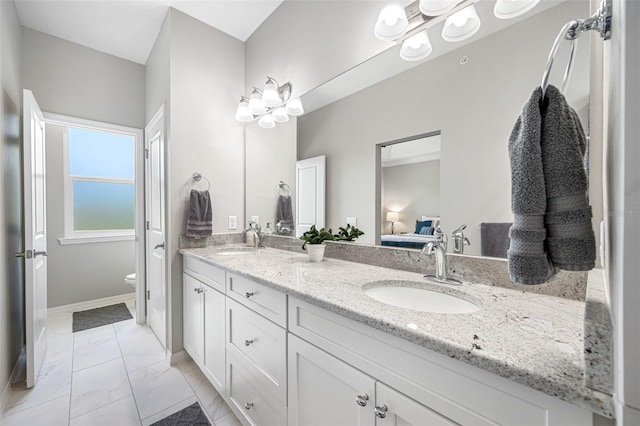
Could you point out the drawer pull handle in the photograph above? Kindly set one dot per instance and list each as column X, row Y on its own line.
column 199, row 290
column 248, row 342
column 248, row 405
column 381, row 411
column 248, row 294
column 362, row 400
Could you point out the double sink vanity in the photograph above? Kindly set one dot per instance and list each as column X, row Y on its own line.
column 288, row 341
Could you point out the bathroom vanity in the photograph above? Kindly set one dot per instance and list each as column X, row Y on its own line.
column 287, row 341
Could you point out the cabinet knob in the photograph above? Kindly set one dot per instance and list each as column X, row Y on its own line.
column 199, row 290
column 248, row 342
column 248, row 405
column 248, row 294
column 362, row 400
column 381, row 411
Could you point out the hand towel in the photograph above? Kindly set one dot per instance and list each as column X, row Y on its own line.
column 570, row 236
column 200, row 219
column 494, row 239
column 284, row 212
column 528, row 262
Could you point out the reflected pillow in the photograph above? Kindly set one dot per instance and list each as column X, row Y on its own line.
column 423, row 224
column 426, row 230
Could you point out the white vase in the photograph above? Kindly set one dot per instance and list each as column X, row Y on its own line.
column 316, row 252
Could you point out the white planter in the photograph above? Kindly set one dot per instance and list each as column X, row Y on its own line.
column 316, row 252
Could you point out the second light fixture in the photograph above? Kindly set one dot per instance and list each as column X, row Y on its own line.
column 269, row 106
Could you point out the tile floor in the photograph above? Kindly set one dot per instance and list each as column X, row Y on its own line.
column 115, row 375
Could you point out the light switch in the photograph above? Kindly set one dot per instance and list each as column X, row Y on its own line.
column 233, row 222
column 352, row 220
column 255, row 219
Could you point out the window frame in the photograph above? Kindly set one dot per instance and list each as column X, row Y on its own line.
column 72, row 236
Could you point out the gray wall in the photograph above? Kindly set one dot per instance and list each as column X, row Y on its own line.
column 412, row 189
column 441, row 95
column 73, row 80
column 11, row 239
column 271, row 157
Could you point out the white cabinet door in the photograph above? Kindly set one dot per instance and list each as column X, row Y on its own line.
column 396, row 409
column 193, row 324
column 214, row 337
column 325, row 391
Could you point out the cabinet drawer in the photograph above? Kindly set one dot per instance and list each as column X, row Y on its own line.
column 208, row 274
column 262, row 342
column 266, row 301
column 255, row 405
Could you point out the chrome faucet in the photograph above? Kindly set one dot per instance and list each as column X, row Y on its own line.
column 459, row 240
column 255, row 228
column 439, row 248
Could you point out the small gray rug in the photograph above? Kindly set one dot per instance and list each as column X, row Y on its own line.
column 85, row 320
column 192, row 415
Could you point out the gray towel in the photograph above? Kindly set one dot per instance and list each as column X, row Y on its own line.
column 284, row 212
column 200, row 219
column 494, row 239
column 570, row 237
column 528, row 263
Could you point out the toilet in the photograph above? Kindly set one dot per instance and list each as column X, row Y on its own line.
column 130, row 280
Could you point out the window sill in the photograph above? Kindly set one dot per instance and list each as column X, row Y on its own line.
column 95, row 239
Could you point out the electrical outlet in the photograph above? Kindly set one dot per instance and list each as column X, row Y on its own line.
column 233, row 222
column 255, row 219
column 352, row 220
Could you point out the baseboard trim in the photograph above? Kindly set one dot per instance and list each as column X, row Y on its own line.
column 91, row 304
column 21, row 364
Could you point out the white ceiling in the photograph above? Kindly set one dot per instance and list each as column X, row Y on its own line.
column 110, row 25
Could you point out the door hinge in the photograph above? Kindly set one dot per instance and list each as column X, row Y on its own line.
column 148, row 294
column 146, row 153
column 147, row 225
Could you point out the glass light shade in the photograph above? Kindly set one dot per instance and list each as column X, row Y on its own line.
column 416, row 47
column 294, row 107
column 242, row 112
column 437, row 7
column 393, row 216
column 507, row 9
column 392, row 22
column 461, row 25
column 266, row 122
column 270, row 95
column 256, row 107
column 280, row 115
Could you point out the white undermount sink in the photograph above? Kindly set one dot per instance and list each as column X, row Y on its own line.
column 419, row 299
column 233, row 251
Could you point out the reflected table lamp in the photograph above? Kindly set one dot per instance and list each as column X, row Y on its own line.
column 393, row 217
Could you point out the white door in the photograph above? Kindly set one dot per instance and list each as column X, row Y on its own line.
column 214, row 337
column 35, row 235
column 310, row 193
column 396, row 409
column 193, row 318
column 325, row 391
column 156, row 259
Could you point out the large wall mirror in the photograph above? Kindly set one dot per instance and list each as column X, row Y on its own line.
column 470, row 96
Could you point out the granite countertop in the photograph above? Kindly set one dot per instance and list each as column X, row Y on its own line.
column 532, row 339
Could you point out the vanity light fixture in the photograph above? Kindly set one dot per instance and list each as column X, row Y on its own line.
column 461, row 25
column 408, row 26
column 507, row 9
column 269, row 106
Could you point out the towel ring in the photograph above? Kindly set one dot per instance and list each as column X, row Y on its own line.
column 197, row 176
column 567, row 32
column 284, row 188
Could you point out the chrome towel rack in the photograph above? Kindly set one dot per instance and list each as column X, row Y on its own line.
column 283, row 188
column 600, row 21
column 197, row 176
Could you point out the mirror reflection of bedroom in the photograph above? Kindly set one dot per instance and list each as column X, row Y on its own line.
column 410, row 190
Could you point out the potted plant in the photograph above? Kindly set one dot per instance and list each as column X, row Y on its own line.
column 313, row 240
column 348, row 233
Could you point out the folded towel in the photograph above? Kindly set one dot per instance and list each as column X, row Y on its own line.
column 284, row 213
column 528, row 262
column 200, row 219
column 494, row 239
column 570, row 236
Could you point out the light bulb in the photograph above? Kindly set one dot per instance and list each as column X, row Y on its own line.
column 416, row 47
column 242, row 112
column 392, row 22
column 266, row 122
column 507, row 9
column 459, row 20
column 256, row 107
column 437, row 7
column 270, row 95
column 280, row 115
column 294, row 107
column 461, row 25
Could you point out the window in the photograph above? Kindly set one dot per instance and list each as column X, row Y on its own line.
column 99, row 174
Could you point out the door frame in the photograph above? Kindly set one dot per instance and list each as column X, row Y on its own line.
column 159, row 116
column 319, row 164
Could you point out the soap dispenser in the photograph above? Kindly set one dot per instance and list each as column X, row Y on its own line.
column 268, row 230
column 250, row 237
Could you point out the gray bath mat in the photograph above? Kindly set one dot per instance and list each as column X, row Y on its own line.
column 85, row 320
column 192, row 415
